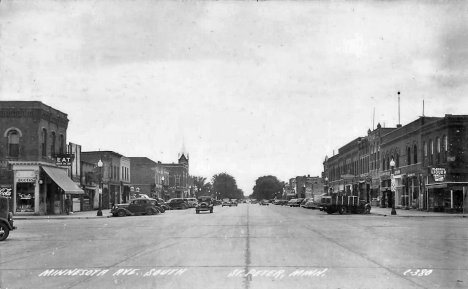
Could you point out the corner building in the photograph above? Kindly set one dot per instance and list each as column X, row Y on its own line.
column 34, row 136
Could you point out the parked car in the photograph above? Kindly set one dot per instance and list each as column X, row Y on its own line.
column 136, row 207
column 310, row 204
column 163, row 204
column 304, row 201
column 264, row 202
column 253, row 201
column 205, row 203
column 296, row 202
column 226, row 202
column 144, row 196
column 192, row 202
column 291, row 202
column 6, row 219
column 178, row 203
column 277, row 202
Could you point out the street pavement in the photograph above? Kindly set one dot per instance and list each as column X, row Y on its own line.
column 248, row 246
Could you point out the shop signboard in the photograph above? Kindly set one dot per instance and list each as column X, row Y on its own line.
column 438, row 174
column 64, row 159
column 25, row 177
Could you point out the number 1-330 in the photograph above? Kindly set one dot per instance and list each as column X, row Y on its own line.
column 418, row 272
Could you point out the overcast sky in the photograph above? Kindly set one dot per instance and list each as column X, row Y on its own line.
column 250, row 88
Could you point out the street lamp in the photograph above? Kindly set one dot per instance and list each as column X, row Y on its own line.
column 162, row 187
column 99, row 212
column 392, row 166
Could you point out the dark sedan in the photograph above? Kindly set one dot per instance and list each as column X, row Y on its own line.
column 178, row 203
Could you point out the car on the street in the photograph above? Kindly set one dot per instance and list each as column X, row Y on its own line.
column 253, row 201
column 291, row 201
column 296, row 202
column 304, row 201
column 163, row 204
column 144, row 196
column 233, row 202
column 310, row 204
column 226, row 202
column 192, row 202
column 136, row 206
column 205, row 203
column 178, row 203
column 6, row 219
column 264, row 202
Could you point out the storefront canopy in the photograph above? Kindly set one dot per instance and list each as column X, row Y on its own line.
column 62, row 180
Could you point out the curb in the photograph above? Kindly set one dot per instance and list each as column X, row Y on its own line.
column 421, row 216
column 59, row 218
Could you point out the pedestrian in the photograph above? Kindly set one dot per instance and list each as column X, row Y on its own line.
column 67, row 205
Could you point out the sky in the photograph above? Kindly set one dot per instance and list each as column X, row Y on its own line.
column 247, row 88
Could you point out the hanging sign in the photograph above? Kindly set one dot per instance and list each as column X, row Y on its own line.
column 438, row 174
column 64, row 159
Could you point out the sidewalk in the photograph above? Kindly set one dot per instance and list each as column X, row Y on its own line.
column 413, row 213
column 74, row 215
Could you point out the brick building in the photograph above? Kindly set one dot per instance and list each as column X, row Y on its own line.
column 179, row 178
column 34, row 140
column 114, row 175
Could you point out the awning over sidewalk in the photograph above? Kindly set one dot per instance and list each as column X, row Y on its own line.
column 62, row 180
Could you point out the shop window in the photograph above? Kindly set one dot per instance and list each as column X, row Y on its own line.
column 25, row 197
column 408, row 156
column 44, row 142
column 52, row 145
column 415, row 154
column 13, row 143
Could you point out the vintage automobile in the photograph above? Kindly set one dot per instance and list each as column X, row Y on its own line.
column 304, row 201
column 6, row 219
column 163, row 204
column 264, row 202
column 192, row 202
column 226, row 202
column 205, row 203
column 343, row 204
column 178, row 203
column 136, row 207
column 233, row 202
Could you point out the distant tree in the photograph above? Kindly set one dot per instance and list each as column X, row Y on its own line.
column 267, row 187
column 202, row 188
column 225, row 186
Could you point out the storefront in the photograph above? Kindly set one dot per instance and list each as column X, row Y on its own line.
column 40, row 188
column 444, row 195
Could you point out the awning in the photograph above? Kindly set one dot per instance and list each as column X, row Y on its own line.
column 62, row 180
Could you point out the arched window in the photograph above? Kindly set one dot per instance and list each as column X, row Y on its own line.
column 61, row 144
column 415, row 154
column 408, row 156
column 437, row 157
column 445, row 148
column 44, row 142
column 388, row 162
column 383, row 164
column 431, row 152
column 425, row 154
column 397, row 159
column 13, row 143
column 52, row 145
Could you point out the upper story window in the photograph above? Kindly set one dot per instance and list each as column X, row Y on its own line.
column 52, row 144
column 408, row 155
column 415, row 154
column 61, row 144
column 44, row 142
column 13, row 143
column 445, row 153
column 424, row 160
column 177, row 180
column 438, row 150
column 397, row 160
column 431, row 152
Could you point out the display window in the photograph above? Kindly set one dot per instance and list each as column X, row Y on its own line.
column 25, row 197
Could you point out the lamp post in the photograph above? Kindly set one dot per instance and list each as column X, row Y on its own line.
column 162, row 187
column 392, row 166
column 99, row 212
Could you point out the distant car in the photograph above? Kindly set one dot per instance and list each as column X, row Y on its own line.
column 253, row 201
column 264, row 202
column 277, row 202
column 310, row 204
column 136, row 207
column 192, row 202
column 178, row 203
column 226, row 202
column 205, row 203
column 163, row 204
column 296, row 202
column 233, row 202
column 304, row 201
column 292, row 201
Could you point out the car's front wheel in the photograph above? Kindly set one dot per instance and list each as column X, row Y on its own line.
column 184, row 207
column 121, row 213
column 149, row 212
column 4, row 231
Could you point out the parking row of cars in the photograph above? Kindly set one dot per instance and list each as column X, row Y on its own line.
column 308, row 203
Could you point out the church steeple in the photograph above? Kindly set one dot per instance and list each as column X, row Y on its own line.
column 183, row 155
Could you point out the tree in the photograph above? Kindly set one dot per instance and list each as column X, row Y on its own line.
column 202, row 188
column 225, row 186
column 267, row 187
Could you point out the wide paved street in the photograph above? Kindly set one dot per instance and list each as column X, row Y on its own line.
column 248, row 246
